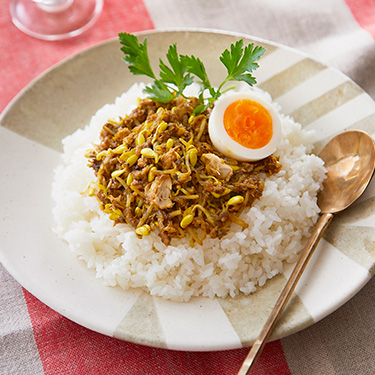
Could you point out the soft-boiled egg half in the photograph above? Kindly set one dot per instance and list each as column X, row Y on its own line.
column 244, row 126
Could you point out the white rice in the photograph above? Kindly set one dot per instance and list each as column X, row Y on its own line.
column 279, row 223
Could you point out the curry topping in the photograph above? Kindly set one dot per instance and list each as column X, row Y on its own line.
column 157, row 170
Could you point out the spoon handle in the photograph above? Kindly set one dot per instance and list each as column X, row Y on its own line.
column 285, row 295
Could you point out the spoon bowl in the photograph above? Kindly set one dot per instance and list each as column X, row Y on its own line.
column 350, row 161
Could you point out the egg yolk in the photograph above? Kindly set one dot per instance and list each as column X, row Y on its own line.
column 248, row 123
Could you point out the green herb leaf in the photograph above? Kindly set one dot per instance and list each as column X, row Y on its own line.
column 201, row 108
column 159, row 92
column 136, row 55
column 241, row 62
column 232, row 58
column 195, row 66
column 177, row 75
column 248, row 78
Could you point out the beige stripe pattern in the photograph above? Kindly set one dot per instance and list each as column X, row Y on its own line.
column 248, row 313
column 283, row 82
column 356, row 242
column 141, row 324
column 326, row 103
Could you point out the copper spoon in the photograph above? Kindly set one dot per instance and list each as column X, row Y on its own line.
column 350, row 161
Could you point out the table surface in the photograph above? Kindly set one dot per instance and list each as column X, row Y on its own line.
column 36, row 340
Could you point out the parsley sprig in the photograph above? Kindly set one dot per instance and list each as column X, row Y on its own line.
column 239, row 62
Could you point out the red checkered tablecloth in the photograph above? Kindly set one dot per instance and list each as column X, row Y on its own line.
column 36, row 340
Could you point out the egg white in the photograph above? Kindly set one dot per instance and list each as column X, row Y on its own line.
column 228, row 146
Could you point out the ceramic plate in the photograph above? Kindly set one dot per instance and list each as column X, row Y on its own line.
column 65, row 97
